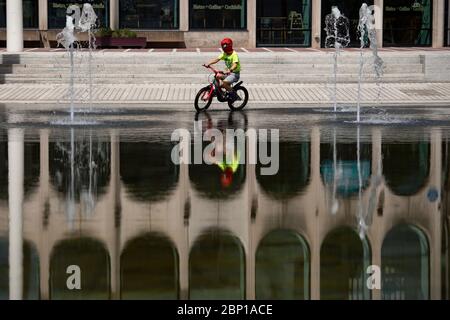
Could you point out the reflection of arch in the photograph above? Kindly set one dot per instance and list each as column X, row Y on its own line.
column 344, row 259
column 149, row 268
column 147, row 170
column 282, row 267
column 31, row 287
column 217, row 267
column 92, row 258
column 406, row 166
column 31, row 167
column 293, row 174
column 405, row 264
column 346, row 167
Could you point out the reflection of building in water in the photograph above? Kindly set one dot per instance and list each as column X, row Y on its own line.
column 274, row 238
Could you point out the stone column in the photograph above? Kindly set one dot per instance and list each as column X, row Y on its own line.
column 14, row 26
column 114, row 14
column 16, row 180
column 43, row 14
column 438, row 23
column 316, row 23
column 251, row 23
column 184, row 15
column 379, row 21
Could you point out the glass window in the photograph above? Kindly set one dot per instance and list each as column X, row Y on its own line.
column 350, row 9
column 281, row 23
column 57, row 12
column 149, row 14
column 218, row 14
column 407, row 23
column 447, row 23
column 30, row 14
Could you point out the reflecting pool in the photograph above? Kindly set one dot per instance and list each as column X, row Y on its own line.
column 99, row 210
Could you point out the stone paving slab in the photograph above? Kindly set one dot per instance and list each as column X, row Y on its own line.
column 275, row 94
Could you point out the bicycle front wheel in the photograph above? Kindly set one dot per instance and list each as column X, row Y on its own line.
column 202, row 101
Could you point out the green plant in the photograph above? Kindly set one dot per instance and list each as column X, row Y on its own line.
column 104, row 32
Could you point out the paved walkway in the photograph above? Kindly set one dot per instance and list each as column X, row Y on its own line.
column 264, row 94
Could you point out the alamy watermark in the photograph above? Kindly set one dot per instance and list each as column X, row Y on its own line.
column 227, row 147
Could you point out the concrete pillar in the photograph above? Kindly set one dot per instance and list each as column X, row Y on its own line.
column 14, row 26
column 438, row 23
column 184, row 15
column 16, row 180
column 316, row 24
column 379, row 5
column 43, row 14
column 114, row 14
column 251, row 23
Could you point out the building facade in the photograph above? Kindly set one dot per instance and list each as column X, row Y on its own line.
column 251, row 23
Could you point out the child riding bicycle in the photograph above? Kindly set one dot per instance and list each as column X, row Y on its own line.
column 233, row 64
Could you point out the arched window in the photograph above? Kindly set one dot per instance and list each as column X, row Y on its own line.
column 406, row 178
column 405, row 264
column 147, row 170
column 149, row 268
column 92, row 259
column 344, row 171
column 282, row 267
column 293, row 174
column 344, row 259
column 217, row 267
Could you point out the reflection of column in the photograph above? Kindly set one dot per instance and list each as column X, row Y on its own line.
column 376, row 227
column 438, row 23
column 316, row 227
column 379, row 21
column 44, row 179
column 251, row 23
column 183, row 250
column 435, row 226
column 14, row 26
column 250, row 179
column 184, row 15
column 16, row 171
column 116, row 216
column 316, row 23
column 114, row 14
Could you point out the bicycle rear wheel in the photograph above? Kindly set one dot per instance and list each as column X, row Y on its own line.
column 240, row 103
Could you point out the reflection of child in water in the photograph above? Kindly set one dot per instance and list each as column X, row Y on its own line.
column 219, row 158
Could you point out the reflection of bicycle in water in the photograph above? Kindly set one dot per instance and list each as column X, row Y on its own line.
column 218, row 156
column 206, row 95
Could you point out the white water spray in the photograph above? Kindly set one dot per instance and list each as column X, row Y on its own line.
column 338, row 36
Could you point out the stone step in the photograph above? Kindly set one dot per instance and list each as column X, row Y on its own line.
column 200, row 59
column 250, row 68
column 201, row 79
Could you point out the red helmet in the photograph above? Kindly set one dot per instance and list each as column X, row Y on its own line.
column 227, row 45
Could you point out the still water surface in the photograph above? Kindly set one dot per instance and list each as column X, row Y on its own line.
column 106, row 198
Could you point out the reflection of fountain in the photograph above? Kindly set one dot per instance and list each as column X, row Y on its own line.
column 338, row 36
column 366, row 28
column 81, row 168
column 83, row 22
